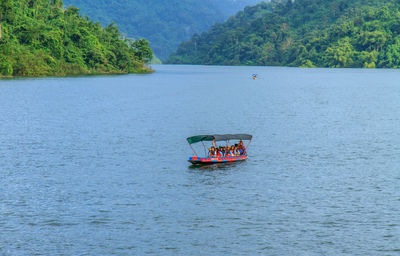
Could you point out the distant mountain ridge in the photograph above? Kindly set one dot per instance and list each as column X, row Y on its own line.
column 231, row 7
column 165, row 23
column 323, row 33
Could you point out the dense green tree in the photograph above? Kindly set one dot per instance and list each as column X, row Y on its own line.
column 142, row 50
column 341, row 54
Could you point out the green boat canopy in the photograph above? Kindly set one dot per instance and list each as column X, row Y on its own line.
column 219, row 137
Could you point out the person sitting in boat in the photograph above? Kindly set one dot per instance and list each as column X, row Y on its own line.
column 232, row 152
column 219, row 153
column 212, row 152
column 227, row 149
column 241, row 150
column 222, row 151
column 236, row 149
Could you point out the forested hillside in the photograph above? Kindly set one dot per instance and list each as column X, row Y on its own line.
column 323, row 33
column 165, row 23
column 40, row 38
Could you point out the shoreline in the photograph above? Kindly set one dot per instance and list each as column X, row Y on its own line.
column 144, row 71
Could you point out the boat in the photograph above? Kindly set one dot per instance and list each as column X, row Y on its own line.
column 198, row 160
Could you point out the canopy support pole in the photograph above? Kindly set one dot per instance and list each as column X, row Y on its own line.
column 247, row 146
column 193, row 150
column 205, row 150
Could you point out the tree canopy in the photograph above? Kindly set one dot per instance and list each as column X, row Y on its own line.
column 40, row 38
column 308, row 33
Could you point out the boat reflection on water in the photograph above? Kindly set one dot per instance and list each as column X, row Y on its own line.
column 215, row 166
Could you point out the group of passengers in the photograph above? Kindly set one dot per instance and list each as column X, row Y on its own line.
column 221, row 151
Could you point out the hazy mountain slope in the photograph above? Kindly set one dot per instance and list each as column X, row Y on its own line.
column 325, row 33
column 165, row 23
column 231, row 7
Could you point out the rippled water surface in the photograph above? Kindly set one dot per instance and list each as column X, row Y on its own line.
column 97, row 165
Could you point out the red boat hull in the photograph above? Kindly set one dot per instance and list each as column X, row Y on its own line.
column 214, row 160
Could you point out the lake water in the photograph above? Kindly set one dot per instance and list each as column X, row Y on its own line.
column 98, row 165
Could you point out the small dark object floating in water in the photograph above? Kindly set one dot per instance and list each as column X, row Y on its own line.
column 254, row 76
column 217, row 137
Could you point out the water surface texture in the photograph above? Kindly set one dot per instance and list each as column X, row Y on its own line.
column 98, row 165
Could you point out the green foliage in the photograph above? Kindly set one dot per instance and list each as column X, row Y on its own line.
column 165, row 23
column 308, row 64
column 142, row 50
column 39, row 38
column 6, row 68
column 341, row 54
column 307, row 33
